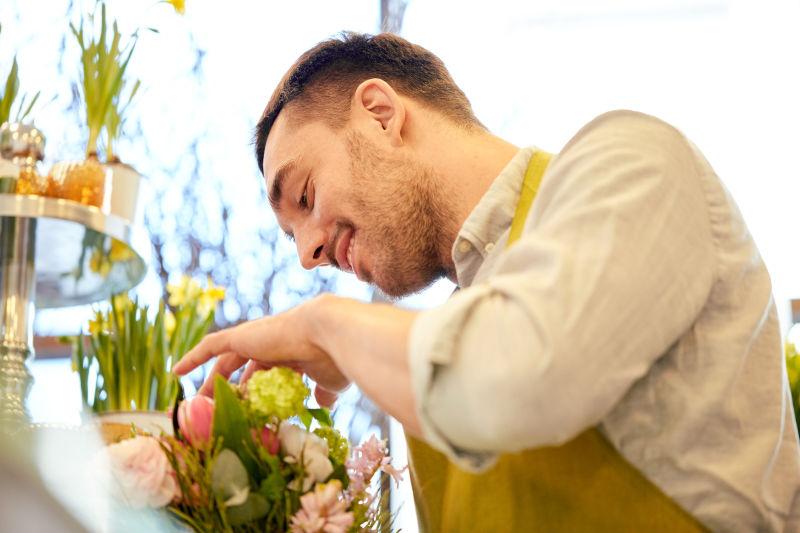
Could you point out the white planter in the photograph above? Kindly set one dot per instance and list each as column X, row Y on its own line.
column 125, row 186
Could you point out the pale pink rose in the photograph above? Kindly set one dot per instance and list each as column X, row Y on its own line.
column 323, row 511
column 141, row 474
column 195, row 418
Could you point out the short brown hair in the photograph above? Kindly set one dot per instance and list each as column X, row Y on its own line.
column 324, row 78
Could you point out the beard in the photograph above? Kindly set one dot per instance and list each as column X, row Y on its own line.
column 404, row 224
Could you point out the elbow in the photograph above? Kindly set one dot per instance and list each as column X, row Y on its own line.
column 513, row 411
column 528, row 419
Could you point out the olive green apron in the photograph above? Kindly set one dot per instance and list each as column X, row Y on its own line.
column 583, row 485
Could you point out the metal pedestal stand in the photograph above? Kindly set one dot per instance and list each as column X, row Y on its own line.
column 54, row 253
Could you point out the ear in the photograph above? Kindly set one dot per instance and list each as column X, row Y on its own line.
column 377, row 104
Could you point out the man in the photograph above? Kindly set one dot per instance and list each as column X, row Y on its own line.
column 612, row 360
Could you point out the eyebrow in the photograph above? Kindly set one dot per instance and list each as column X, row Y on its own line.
column 276, row 189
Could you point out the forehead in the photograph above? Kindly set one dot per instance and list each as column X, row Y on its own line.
column 277, row 150
column 292, row 138
column 305, row 143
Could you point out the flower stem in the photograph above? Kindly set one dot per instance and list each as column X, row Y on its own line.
column 91, row 147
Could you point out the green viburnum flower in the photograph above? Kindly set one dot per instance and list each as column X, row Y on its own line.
column 337, row 445
column 277, row 392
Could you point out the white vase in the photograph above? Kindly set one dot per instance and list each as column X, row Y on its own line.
column 125, row 185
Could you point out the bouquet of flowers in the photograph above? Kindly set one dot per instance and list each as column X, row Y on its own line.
column 249, row 460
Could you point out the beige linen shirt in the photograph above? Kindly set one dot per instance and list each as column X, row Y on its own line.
column 636, row 301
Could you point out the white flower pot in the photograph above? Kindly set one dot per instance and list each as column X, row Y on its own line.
column 125, row 185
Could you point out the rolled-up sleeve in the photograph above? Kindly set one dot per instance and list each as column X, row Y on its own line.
column 616, row 262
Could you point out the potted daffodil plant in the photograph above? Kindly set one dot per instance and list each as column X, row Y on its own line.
column 125, row 360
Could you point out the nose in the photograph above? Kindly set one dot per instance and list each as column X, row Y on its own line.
column 311, row 248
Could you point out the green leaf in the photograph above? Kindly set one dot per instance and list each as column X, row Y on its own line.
column 229, row 479
column 104, row 60
column 273, row 486
column 272, row 461
column 340, row 473
column 254, row 508
column 230, row 424
column 323, row 416
column 10, row 92
column 306, row 417
column 21, row 104
column 22, row 114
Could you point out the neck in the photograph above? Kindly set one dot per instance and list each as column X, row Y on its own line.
column 465, row 163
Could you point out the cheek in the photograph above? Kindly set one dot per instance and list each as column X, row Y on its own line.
column 324, row 205
column 339, row 206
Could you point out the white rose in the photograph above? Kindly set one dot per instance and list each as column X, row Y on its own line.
column 297, row 442
column 141, row 475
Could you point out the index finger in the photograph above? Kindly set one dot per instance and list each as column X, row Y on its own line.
column 226, row 364
column 211, row 345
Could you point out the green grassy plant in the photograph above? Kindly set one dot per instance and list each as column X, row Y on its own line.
column 104, row 61
column 125, row 361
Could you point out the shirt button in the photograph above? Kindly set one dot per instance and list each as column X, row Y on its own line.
column 489, row 247
column 464, row 247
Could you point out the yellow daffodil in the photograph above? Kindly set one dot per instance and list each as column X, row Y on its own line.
column 186, row 291
column 96, row 327
column 176, row 297
column 179, row 5
column 122, row 301
column 214, row 292
column 169, row 323
column 99, row 324
column 209, row 298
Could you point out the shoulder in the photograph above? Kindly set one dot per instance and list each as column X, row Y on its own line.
column 623, row 141
column 625, row 129
column 619, row 153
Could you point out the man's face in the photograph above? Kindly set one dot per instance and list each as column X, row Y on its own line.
column 351, row 203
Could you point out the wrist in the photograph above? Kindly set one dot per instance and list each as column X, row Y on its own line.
column 317, row 317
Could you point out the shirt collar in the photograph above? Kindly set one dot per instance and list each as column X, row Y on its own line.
column 490, row 218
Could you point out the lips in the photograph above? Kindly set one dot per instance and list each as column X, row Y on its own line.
column 351, row 257
column 343, row 251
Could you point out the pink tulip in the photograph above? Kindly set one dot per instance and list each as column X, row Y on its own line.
column 268, row 439
column 195, row 418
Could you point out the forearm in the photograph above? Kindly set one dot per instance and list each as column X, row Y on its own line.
column 369, row 343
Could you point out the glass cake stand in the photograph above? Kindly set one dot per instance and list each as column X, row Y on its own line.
column 55, row 253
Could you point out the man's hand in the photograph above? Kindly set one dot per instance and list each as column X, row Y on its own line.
column 286, row 339
column 335, row 341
